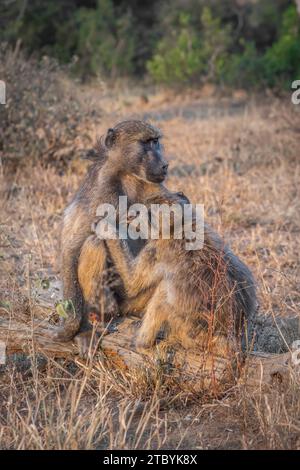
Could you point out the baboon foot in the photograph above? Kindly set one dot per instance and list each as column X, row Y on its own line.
column 143, row 344
column 88, row 342
column 144, row 350
column 65, row 332
column 184, row 341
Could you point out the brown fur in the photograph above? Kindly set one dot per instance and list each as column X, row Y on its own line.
column 129, row 155
column 87, row 270
column 93, row 265
column 207, row 290
column 98, row 281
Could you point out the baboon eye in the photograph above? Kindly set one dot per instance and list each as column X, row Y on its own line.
column 151, row 144
column 155, row 143
column 147, row 144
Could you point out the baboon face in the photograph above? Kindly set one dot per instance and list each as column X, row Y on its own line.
column 153, row 166
column 142, row 153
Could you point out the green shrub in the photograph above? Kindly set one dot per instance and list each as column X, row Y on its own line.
column 177, row 58
column 246, row 44
column 278, row 65
column 189, row 55
column 101, row 35
column 105, row 40
column 282, row 59
column 243, row 69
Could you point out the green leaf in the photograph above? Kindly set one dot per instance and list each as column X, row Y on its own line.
column 65, row 308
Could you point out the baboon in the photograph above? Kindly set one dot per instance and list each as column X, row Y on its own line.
column 207, row 293
column 93, row 266
column 129, row 154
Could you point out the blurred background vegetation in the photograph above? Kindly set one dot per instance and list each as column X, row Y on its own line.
column 238, row 43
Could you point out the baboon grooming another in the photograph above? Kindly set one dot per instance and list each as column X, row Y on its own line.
column 128, row 155
column 208, row 291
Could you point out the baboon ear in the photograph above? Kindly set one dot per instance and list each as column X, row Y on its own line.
column 90, row 154
column 110, row 138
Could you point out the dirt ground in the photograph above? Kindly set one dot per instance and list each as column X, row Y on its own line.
column 240, row 157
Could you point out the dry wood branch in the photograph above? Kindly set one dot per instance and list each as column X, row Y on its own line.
column 23, row 337
column 198, row 369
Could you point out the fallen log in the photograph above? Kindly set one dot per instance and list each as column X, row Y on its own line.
column 200, row 370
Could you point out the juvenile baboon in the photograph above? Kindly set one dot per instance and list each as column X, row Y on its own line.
column 93, row 266
column 129, row 154
column 207, row 293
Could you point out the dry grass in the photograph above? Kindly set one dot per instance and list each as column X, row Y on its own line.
column 245, row 168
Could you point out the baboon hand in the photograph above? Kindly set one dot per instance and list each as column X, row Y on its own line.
column 95, row 223
column 181, row 198
column 177, row 197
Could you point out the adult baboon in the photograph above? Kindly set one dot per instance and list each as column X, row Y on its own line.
column 208, row 291
column 129, row 155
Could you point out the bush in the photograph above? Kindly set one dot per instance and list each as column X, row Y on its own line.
column 240, row 43
column 278, row 65
column 42, row 118
column 188, row 56
column 100, row 34
column 282, row 59
column 243, row 69
column 177, row 58
column 105, row 41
